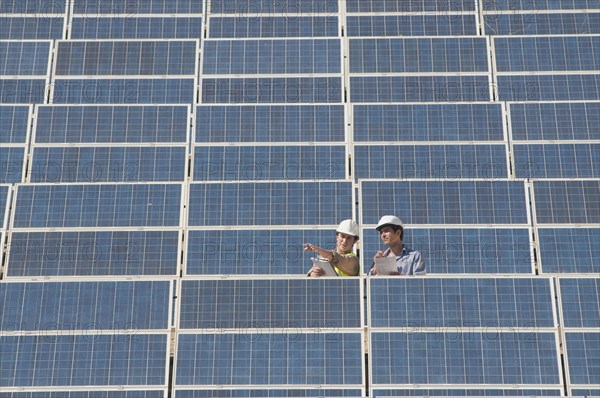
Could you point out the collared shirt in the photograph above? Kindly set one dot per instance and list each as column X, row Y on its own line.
column 409, row 262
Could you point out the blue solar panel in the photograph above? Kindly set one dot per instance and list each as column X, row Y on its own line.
column 555, row 121
column 583, row 351
column 465, row 303
column 87, row 394
column 465, row 358
column 14, row 124
column 293, row 203
column 137, row 28
column 531, row 6
column 11, row 164
column 108, row 164
column 22, row 91
column 94, row 8
column 580, row 392
column 163, row 58
column 277, row 123
column 435, row 161
column 542, row 24
column 580, row 300
column 31, row 28
column 419, row 88
column 264, row 359
column 272, row 90
column 409, row 5
column 290, row 7
column 428, row 122
column 412, row 25
column 33, row 7
column 83, row 360
column 548, row 87
column 268, row 163
column 445, row 202
column 272, row 26
column 117, row 253
column 462, row 251
column 111, row 124
column 28, row 58
column 276, row 304
column 418, row 55
column 123, row 91
column 274, row 393
column 567, row 202
column 251, row 252
column 515, row 54
column 458, row 392
column 53, row 206
column 569, row 250
column 223, row 57
column 113, row 306
column 557, row 161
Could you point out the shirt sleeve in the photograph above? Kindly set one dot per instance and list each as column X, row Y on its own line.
column 346, row 261
column 418, row 265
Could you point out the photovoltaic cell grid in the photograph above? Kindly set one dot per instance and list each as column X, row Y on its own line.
column 330, row 358
column 274, row 393
column 273, row 26
column 288, row 7
column 11, row 164
column 87, row 394
column 32, row 27
column 567, row 201
column 462, row 303
column 580, row 302
column 529, row 6
column 583, row 351
column 130, row 27
column 23, row 91
column 537, row 23
column 28, row 58
column 557, row 160
column 412, row 6
column 458, row 392
column 14, row 124
column 105, row 306
column 92, row 7
column 97, row 253
column 411, row 25
column 569, row 250
column 548, row 87
column 291, row 305
column 510, row 358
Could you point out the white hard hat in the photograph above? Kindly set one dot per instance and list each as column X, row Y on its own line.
column 388, row 220
column 349, row 227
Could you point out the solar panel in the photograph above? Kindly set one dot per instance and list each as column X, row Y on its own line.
column 31, row 27
column 122, row 58
column 98, row 253
column 537, row 23
column 557, row 160
column 272, row 90
column 555, row 121
column 92, row 7
column 123, row 91
column 456, row 202
column 270, row 123
column 579, row 302
column 27, row 58
column 330, row 358
column 419, row 88
column 459, row 358
column 524, row 303
column 567, row 202
column 290, row 7
column 137, row 28
column 409, row 6
column 569, row 250
column 275, row 393
column 528, row 5
column 272, row 26
column 224, row 57
column 428, row 122
column 112, row 124
column 113, row 306
column 80, row 360
column 14, row 124
column 269, row 163
column 22, row 91
column 548, row 87
column 11, row 165
column 290, row 305
column 411, row 25
column 34, row 7
column 462, row 251
column 108, row 164
column 87, row 394
column 536, row 54
column 97, row 205
column 430, row 161
column 269, row 203
column 583, row 351
column 458, row 392
column 418, row 55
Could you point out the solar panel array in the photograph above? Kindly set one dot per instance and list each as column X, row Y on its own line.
column 163, row 161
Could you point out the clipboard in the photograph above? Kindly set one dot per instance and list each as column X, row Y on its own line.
column 386, row 265
column 324, row 265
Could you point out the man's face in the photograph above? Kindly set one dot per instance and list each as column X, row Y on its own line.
column 389, row 236
column 344, row 242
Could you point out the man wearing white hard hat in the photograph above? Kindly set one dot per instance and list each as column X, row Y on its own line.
column 408, row 261
column 342, row 259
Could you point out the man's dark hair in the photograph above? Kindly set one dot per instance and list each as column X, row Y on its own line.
column 395, row 228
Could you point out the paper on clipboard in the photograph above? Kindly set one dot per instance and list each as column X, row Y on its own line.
column 386, row 265
column 324, row 265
